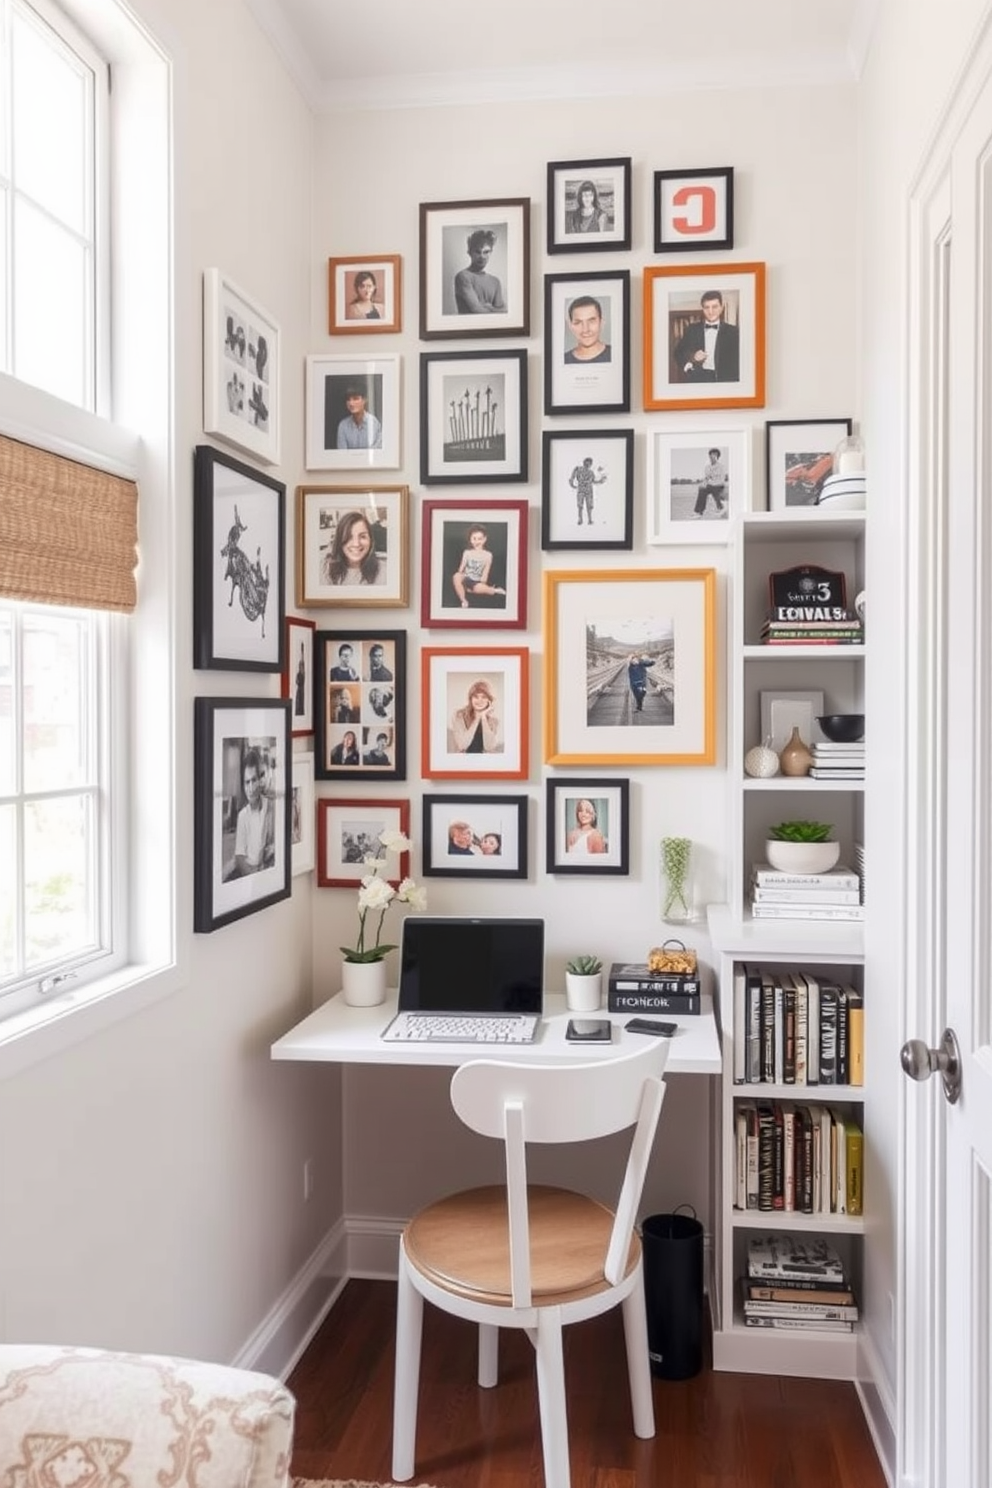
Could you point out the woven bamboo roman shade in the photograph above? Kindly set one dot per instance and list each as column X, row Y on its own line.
column 68, row 533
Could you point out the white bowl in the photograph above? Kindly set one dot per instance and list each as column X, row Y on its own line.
column 802, row 857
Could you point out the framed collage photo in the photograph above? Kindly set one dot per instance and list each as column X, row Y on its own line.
column 241, row 369
column 349, row 831
column 241, row 860
column 474, row 568
column 364, row 295
column 799, row 455
column 353, row 413
column 588, row 826
column 704, row 336
column 475, row 713
column 588, row 205
column 693, row 210
column 698, row 479
column 302, row 813
column 239, row 587
column 468, row 836
column 360, row 704
column 587, row 342
column 587, row 489
column 473, row 417
column 474, row 269
column 297, row 673
column 647, row 692
column 352, row 546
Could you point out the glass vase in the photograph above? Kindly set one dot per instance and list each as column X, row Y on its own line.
column 678, row 905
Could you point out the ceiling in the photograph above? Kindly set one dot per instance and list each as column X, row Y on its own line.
column 415, row 53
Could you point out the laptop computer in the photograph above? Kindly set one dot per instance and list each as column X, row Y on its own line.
column 467, row 979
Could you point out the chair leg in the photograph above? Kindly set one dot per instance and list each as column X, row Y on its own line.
column 488, row 1355
column 635, row 1332
column 409, row 1327
column 551, row 1398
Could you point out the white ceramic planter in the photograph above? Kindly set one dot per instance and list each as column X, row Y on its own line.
column 583, row 994
column 363, row 983
column 802, row 857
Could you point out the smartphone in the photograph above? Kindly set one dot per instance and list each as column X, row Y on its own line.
column 589, row 1031
column 652, row 1025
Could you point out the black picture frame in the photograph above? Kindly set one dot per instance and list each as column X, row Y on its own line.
column 484, row 819
column 799, row 458
column 605, row 227
column 596, row 845
column 694, row 209
column 566, row 498
column 366, row 705
column 473, row 417
column 235, row 738
column 236, row 627
column 575, row 382
column 460, row 300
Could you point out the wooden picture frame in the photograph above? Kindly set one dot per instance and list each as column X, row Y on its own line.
column 587, row 342
column 239, row 588
column 297, row 674
column 474, row 268
column 587, row 489
column 473, row 417
column 588, row 205
column 798, row 459
column 694, row 210
column 646, row 694
column 241, row 855
column 360, row 705
column 365, row 294
column 242, row 369
column 302, row 813
column 348, row 831
column 678, row 301
column 699, row 481
column 587, row 826
column 474, row 836
column 342, row 531
column 352, row 412
column 474, row 565
column 452, row 728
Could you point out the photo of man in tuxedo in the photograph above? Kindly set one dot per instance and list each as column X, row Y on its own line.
column 709, row 348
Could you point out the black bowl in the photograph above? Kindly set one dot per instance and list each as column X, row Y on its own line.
column 843, row 728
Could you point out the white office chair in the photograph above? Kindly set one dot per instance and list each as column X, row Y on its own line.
column 534, row 1258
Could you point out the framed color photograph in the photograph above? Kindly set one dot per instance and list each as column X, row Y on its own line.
column 587, row 826
column 587, row 489
column 302, row 814
column 352, row 546
column 360, row 704
column 704, row 336
column 588, row 205
column 587, row 342
column 473, row 417
column 474, row 269
column 239, row 550
column 297, row 674
column 697, row 480
column 799, row 455
column 474, row 565
column 348, row 832
column 353, row 413
column 242, row 808
column 475, row 713
column 364, row 294
column 693, row 210
column 241, row 369
column 475, row 836
column 647, row 692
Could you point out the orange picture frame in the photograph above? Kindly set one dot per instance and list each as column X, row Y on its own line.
column 683, row 368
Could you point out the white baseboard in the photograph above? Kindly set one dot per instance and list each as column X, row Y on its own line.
column 280, row 1339
column 878, row 1404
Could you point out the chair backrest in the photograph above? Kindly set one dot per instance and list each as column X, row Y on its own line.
column 518, row 1102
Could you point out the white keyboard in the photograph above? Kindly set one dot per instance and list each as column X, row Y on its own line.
column 434, row 1028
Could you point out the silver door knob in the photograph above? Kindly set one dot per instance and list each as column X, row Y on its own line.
column 920, row 1062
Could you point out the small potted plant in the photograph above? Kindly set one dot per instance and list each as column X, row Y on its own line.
column 584, row 984
column 801, row 847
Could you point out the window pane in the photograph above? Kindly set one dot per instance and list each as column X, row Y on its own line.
column 50, row 113
column 8, row 892
column 56, row 684
column 57, row 857
column 8, row 774
column 53, row 295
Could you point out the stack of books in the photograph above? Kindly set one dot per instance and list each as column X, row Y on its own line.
column 634, row 988
column 811, row 625
column 800, row 1159
column 838, row 761
column 859, row 864
column 794, row 1028
column 794, row 1282
column 835, row 895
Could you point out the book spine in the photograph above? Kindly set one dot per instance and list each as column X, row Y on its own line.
column 740, row 1158
column 827, row 1325
column 812, row 1030
column 766, row 1156
column 839, row 1295
column 753, row 1014
column 828, row 1035
column 801, row 1027
column 778, row 1157
column 652, row 1002
column 805, row 1203
column 855, row 1037
column 683, row 986
column 767, row 1031
column 773, row 895
column 788, row 1159
column 855, row 1168
column 801, row 1309
column 842, row 1035
column 789, row 1035
column 835, row 879
column 740, row 1050
column 808, row 912
column 751, row 1200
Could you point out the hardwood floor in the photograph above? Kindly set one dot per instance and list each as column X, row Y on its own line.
column 714, row 1431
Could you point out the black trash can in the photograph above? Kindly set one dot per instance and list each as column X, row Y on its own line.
column 673, row 1291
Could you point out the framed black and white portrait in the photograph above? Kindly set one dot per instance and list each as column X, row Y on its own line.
column 302, row 813
column 353, row 413
column 587, row 342
column 241, row 369
column 473, row 417
column 471, row 836
column 588, row 205
column 297, row 673
column 587, row 489
column 360, row 705
column 474, row 269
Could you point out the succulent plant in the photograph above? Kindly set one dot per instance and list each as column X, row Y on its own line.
column 801, row 831
column 584, row 965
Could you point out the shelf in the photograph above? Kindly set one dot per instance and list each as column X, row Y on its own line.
column 792, row 1219
column 801, row 523
column 844, row 652
column 785, row 940
column 771, row 1351
column 820, row 1095
column 800, row 783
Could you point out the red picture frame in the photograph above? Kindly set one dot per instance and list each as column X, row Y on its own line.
column 468, row 584
column 343, row 824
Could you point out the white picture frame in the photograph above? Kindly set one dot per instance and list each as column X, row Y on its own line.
column 781, row 712
column 678, row 469
column 328, row 380
column 241, row 369
column 302, row 813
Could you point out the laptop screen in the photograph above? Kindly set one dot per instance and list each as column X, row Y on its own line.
column 454, row 965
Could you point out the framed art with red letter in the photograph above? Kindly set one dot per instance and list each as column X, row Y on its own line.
column 693, row 210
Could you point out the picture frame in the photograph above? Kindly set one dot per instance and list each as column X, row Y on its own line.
column 587, row 342
column 693, row 210
column 614, row 617
column 473, row 417
column 239, row 590
column 242, row 369
column 474, row 268
column 588, row 205
column 781, row 712
column 798, row 459
column 699, row 480
column 365, row 294
column 348, row 830
column 352, row 413
column 587, row 489
column 297, row 675
column 474, row 836
column 587, row 826
column 676, row 297
column 241, row 857
column 302, row 813
column 470, row 581
column 450, row 678
column 360, row 705
column 344, row 530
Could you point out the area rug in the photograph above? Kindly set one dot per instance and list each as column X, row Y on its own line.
column 344, row 1483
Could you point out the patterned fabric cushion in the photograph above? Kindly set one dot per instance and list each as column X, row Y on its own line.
column 85, row 1418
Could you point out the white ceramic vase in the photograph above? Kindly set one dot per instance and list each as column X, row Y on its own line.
column 583, row 994
column 802, row 857
column 363, row 983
